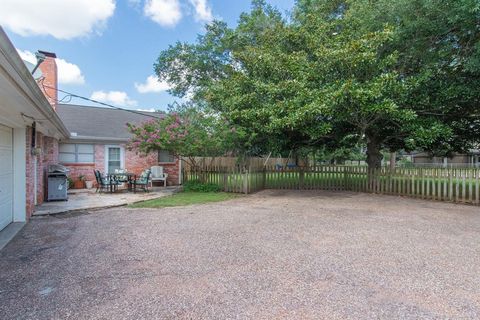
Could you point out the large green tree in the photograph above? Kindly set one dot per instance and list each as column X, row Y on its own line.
column 398, row 74
column 438, row 52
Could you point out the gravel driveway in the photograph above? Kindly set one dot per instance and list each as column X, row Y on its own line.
column 272, row 255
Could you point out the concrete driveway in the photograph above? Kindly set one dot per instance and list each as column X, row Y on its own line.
column 272, row 255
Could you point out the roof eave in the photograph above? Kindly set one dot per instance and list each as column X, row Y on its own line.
column 29, row 86
column 96, row 139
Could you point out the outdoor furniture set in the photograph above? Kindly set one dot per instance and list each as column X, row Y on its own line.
column 112, row 182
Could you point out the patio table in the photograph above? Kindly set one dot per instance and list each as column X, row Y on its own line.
column 131, row 177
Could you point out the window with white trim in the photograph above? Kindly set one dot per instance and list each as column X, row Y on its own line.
column 76, row 153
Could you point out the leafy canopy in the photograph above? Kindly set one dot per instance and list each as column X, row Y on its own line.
column 394, row 74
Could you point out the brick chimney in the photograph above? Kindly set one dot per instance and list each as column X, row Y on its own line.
column 50, row 81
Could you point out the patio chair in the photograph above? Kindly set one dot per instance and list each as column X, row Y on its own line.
column 143, row 181
column 104, row 183
column 158, row 175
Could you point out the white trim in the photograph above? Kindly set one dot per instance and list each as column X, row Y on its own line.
column 122, row 155
column 19, row 175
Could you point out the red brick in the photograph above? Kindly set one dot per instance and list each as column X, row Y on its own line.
column 134, row 162
column 50, row 81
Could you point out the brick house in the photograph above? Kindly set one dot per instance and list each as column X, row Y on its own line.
column 29, row 133
column 35, row 132
column 98, row 138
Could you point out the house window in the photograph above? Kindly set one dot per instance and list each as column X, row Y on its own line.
column 76, row 153
column 165, row 156
column 114, row 159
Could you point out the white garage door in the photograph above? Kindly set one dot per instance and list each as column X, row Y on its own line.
column 6, row 176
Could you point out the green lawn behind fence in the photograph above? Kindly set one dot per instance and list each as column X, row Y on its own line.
column 439, row 184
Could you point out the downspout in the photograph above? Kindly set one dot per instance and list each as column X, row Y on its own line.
column 33, row 154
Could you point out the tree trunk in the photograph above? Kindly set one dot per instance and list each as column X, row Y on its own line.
column 393, row 160
column 374, row 162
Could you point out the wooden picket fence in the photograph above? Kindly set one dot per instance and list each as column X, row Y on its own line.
column 232, row 162
column 453, row 185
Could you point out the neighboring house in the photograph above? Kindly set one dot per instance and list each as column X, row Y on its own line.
column 29, row 134
column 98, row 138
column 471, row 159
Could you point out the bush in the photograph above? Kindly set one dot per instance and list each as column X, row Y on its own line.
column 70, row 183
column 197, row 186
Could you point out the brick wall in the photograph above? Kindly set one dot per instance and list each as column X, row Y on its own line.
column 87, row 169
column 173, row 171
column 134, row 162
column 137, row 162
column 50, row 78
column 48, row 155
column 30, row 173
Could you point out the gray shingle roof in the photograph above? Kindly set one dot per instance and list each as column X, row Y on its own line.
column 96, row 123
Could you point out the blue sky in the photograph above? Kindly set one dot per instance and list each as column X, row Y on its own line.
column 107, row 48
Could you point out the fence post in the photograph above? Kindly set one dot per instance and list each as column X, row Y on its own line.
column 264, row 177
column 245, row 181
column 301, row 183
column 225, row 180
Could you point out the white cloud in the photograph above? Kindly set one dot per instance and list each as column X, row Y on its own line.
column 166, row 13
column 203, row 12
column 68, row 73
column 147, row 110
column 27, row 56
column 62, row 19
column 118, row 98
column 152, row 85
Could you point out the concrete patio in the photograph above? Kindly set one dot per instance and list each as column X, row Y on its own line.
column 88, row 199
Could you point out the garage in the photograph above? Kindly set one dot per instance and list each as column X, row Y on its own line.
column 6, row 176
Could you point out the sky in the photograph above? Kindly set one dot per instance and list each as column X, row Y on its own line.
column 106, row 49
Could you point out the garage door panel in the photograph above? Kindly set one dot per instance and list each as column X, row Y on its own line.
column 6, row 164
column 6, row 176
column 6, row 219
column 6, row 189
column 6, row 137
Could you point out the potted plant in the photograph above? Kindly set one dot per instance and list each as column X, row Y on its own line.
column 80, row 183
column 70, row 183
column 89, row 184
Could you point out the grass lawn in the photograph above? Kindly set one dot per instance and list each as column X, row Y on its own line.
column 185, row 199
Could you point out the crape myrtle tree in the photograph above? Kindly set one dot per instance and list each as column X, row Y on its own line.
column 398, row 74
column 187, row 132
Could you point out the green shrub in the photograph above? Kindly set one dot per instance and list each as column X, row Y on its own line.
column 197, row 186
column 70, row 183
